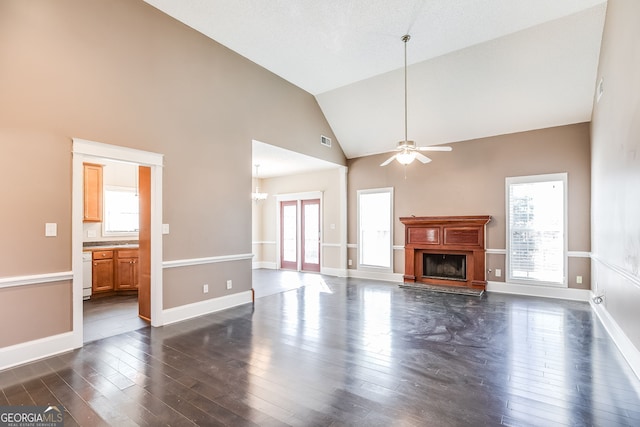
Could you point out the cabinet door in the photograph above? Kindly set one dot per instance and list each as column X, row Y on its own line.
column 127, row 273
column 92, row 192
column 102, row 275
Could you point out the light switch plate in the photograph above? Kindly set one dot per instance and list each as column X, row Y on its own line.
column 51, row 229
column 91, row 233
column 498, row 272
column 165, row 228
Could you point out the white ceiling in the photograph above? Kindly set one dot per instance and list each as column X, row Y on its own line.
column 477, row 68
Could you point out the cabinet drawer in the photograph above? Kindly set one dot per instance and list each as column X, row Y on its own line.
column 102, row 254
column 127, row 253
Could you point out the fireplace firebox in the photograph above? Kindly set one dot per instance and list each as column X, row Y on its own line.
column 444, row 266
column 460, row 239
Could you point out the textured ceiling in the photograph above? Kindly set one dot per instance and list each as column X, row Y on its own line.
column 478, row 68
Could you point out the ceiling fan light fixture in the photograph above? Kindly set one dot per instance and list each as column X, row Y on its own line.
column 407, row 151
column 406, row 157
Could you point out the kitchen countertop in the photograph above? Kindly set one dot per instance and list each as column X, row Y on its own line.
column 100, row 246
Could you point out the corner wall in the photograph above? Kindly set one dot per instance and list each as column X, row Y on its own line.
column 615, row 169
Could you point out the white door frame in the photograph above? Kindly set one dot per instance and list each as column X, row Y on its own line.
column 83, row 150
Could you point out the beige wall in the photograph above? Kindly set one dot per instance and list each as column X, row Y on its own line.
column 470, row 180
column 265, row 213
column 616, row 169
column 121, row 72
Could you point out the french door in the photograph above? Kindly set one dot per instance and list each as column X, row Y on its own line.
column 300, row 235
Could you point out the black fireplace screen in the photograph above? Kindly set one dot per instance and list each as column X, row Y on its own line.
column 444, row 266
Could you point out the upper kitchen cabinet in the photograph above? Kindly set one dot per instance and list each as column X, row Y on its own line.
column 92, row 192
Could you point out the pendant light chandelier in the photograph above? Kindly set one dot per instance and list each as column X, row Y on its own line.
column 257, row 195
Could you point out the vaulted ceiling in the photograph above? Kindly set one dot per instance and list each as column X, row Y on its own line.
column 477, row 68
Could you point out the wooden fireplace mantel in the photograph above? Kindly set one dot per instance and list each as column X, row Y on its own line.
column 460, row 235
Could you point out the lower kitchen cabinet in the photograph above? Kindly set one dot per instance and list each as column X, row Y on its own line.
column 115, row 270
column 126, row 270
column 102, row 271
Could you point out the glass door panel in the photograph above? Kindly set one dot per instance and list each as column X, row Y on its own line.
column 288, row 235
column 311, row 235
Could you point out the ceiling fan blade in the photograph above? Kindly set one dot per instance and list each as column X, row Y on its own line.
column 422, row 158
column 389, row 160
column 435, row 148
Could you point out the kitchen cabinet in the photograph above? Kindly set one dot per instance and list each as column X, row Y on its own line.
column 93, row 196
column 102, row 271
column 126, row 269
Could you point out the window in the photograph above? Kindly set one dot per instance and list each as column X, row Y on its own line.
column 536, row 229
column 375, row 214
column 120, row 210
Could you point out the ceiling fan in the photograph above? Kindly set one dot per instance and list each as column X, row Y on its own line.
column 407, row 151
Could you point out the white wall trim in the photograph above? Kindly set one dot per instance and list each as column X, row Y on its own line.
column 570, row 254
column 635, row 280
column 29, row 351
column 624, row 344
column 113, row 152
column 200, row 308
column 539, row 291
column 264, row 264
column 373, row 275
column 336, row 272
column 496, row 251
column 207, row 260
column 331, row 245
column 578, row 254
column 9, row 282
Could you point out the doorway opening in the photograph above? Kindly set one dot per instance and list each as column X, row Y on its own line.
column 115, row 195
column 299, row 232
column 116, row 244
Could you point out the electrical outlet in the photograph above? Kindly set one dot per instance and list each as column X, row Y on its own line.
column 498, row 272
column 205, row 289
column 229, row 284
column 579, row 280
column 350, row 262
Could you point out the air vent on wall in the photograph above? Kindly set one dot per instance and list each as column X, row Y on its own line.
column 326, row 141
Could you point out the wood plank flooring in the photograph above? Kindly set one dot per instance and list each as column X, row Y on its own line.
column 108, row 316
column 340, row 352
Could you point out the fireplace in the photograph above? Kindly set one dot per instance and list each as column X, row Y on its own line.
column 444, row 266
column 447, row 251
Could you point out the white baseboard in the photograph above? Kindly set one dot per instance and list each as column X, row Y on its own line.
column 624, row 344
column 264, row 264
column 389, row 277
column 37, row 349
column 188, row 311
column 337, row 272
column 539, row 291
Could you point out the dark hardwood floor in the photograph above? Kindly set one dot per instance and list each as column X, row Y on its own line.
column 108, row 316
column 340, row 352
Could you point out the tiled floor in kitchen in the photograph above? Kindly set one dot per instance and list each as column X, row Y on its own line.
column 109, row 316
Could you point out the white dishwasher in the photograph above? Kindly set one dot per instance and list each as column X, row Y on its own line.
column 87, row 274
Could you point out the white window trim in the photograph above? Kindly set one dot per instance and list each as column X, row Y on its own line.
column 365, row 267
column 529, row 179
